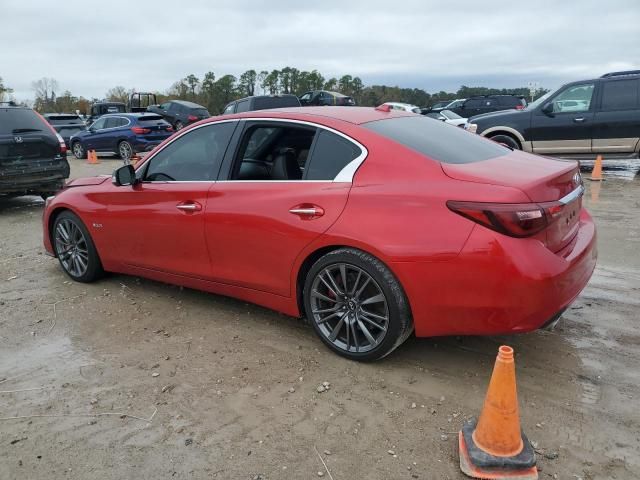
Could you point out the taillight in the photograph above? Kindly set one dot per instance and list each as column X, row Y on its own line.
column 519, row 107
column 169, row 128
column 140, row 130
column 512, row 219
column 63, row 146
column 192, row 118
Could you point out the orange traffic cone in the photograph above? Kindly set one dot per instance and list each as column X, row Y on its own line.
column 596, row 173
column 92, row 157
column 495, row 447
column 135, row 158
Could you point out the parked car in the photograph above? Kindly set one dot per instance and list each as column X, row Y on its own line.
column 391, row 223
column 448, row 116
column 440, row 104
column 405, row 107
column 488, row 103
column 103, row 108
column 66, row 124
column 324, row 97
column 33, row 156
column 261, row 102
column 594, row 116
column 123, row 134
column 180, row 113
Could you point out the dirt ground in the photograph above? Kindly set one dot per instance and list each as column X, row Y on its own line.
column 224, row 389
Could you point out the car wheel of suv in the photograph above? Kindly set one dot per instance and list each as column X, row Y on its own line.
column 356, row 305
column 125, row 151
column 75, row 248
column 508, row 140
column 178, row 126
column 78, row 151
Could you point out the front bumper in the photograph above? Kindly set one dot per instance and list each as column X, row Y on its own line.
column 498, row 284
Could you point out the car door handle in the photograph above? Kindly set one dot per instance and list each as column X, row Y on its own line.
column 307, row 210
column 579, row 119
column 189, row 206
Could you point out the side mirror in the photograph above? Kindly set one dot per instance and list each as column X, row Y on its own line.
column 547, row 108
column 125, row 175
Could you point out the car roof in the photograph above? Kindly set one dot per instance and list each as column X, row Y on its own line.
column 130, row 114
column 401, row 104
column 187, row 103
column 355, row 115
column 48, row 115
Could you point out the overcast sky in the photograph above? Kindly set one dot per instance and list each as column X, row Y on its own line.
column 89, row 47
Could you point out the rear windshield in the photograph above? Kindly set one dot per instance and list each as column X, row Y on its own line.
column 202, row 112
column 64, row 119
column 281, row 102
column 437, row 140
column 149, row 118
column 20, row 120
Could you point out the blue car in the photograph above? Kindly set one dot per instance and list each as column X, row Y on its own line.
column 121, row 133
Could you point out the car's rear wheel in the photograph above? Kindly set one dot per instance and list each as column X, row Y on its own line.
column 508, row 140
column 75, row 248
column 356, row 305
column 178, row 126
column 125, row 151
column 78, row 151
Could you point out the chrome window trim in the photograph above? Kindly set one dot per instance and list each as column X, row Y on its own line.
column 113, row 128
column 344, row 176
column 570, row 197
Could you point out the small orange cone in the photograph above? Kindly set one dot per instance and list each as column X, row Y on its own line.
column 135, row 158
column 596, row 173
column 92, row 157
column 495, row 447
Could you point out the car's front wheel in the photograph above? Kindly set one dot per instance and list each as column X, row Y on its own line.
column 356, row 305
column 507, row 140
column 78, row 151
column 125, row 151
column 75, row 248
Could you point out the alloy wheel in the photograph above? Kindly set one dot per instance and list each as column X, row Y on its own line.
column 349, row 308
column 125, row 151
column 72, row 248
column 78, row 151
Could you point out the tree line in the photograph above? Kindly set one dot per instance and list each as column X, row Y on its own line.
column 216, row 92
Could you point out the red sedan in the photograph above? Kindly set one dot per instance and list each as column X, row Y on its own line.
column 370, row 223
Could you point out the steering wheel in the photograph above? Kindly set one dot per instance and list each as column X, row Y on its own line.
column 159, row 177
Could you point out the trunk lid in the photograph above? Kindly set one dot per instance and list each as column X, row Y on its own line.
column 27, row 148
column 546, row 181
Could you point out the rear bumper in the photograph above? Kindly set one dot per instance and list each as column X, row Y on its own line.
column 498, row 284
column 39, row 178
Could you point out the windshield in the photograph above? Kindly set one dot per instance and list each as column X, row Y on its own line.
column 540, row 101
column 20, row 120
column 450, row 115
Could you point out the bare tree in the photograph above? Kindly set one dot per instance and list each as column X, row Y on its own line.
column 45, row 90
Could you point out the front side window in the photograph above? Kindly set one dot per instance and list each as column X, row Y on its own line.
column 474, row 103
column 230, row 108
column 330, row 155
column 194, row 156
column 165, row 106
column 98, row 124
column 576, row 98
column 620, row 95
column 114, row 122
column 306, row 97
column 273, row 152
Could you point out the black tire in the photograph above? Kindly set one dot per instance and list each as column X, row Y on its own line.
column 125, row 151
column 78, row 151
column 357, row 265
column 508, row 140
column 93, row 269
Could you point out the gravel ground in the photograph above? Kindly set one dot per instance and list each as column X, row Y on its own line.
column 129, row 378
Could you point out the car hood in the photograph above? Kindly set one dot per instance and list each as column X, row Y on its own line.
column 502, row 114
column 86, row 181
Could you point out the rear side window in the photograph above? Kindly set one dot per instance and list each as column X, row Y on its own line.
column 620, row 95
column 202, row 112
column 437, row 140
column 243, row 106
column 20, row 120
column 330, row 155
column 474, row 103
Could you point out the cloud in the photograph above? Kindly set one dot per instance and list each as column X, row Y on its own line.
column 90, row 47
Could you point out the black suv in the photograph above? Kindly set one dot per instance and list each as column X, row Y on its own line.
column 580, row 118
column 261, row 102
column 102, row 108
column 32, row 155
column 324, row 97
column 180, row 113
column 480, row 104
column 66, row 124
